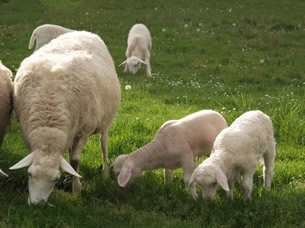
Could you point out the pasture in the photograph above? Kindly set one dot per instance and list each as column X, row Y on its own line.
column 231, row 56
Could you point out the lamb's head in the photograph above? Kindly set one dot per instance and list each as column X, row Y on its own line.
column 125, row 171
column 133, row 64
column 43, row 174
column 209, row 177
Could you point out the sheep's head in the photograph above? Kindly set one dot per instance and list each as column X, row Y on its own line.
column 209, row 177
column 43, row 173
column 133, row 64
column 125, row 171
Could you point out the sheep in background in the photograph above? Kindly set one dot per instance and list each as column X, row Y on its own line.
column 63, row 93
column 236, row 152
column 6, row 101
column 43, row 34
column 176, row 144
column 138, row 49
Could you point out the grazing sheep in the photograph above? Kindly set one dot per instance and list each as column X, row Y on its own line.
column 236, row 152
column 177, row 144
column 138, row 49
column 6, row 102
column 63, row 93
column 43, row 34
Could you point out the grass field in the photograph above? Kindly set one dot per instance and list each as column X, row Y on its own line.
column 227, row 55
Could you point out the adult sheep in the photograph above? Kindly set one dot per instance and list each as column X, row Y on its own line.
column 236, row 152
column 63, row 93
column 6, row 101
column 43, row 34
column 177, row 144
column 138, row 49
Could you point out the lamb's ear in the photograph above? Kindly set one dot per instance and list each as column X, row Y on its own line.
column 124, row 176
column 3, row 173
column 125, row 62
column 68, row 168
column 222, row 180
column 26, row 161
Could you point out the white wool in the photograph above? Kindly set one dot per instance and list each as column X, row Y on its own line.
column 138, row 49
column 43, row 34
column 6, row 101
column 63, row 93
column 176, row 145
column 236, row 153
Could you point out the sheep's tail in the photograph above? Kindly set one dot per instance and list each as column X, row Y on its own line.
column 32, row 40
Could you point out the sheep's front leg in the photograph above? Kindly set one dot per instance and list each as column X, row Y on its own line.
column 188, row 168
column 104, row 147
column 247, row 184
column 126, row 68
column 168, row 175
column 74, row 157
column 231, row 186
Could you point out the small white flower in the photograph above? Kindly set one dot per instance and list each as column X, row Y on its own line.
column 198, row 30
column 261, row 61
column 234, row 24
column 87, row 13
column 128, row 87
column 186, row 25
column 163, row 30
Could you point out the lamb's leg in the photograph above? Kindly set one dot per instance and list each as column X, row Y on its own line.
column 74, row 157
column 104, row 147
column 148, row 68
column 231, row 186
column 188, row 168
column 247, row 184
column 268, row 166
column 168, row 175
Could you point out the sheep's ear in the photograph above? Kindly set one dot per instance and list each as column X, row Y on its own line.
column 3, row 173
column 222, row 180
column 68, row 168
column 125, row 62
column 124, row 176
column 141, row 61
column 27, row 161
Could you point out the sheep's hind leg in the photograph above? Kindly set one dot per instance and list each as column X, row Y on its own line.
column 104, row 147
column 74, row 157
column 268, row 166
column 168, row 175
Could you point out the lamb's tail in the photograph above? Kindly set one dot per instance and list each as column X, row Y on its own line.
column 32, row 40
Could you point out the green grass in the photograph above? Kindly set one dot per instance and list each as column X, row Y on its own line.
column 205, row 55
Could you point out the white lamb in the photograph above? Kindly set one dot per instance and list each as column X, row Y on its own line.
column 138, row 49
column 43, row 34
column 63, row 93
column 6, row 101
column 236, row 152
column 177, row 144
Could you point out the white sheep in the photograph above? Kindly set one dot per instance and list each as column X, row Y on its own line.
column 138, row 49
column 6, row 101
column 236, row 152
column 176, row 144
column 63, row 93
column 43, row 34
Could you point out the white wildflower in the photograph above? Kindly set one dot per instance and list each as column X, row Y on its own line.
column 128, row 87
